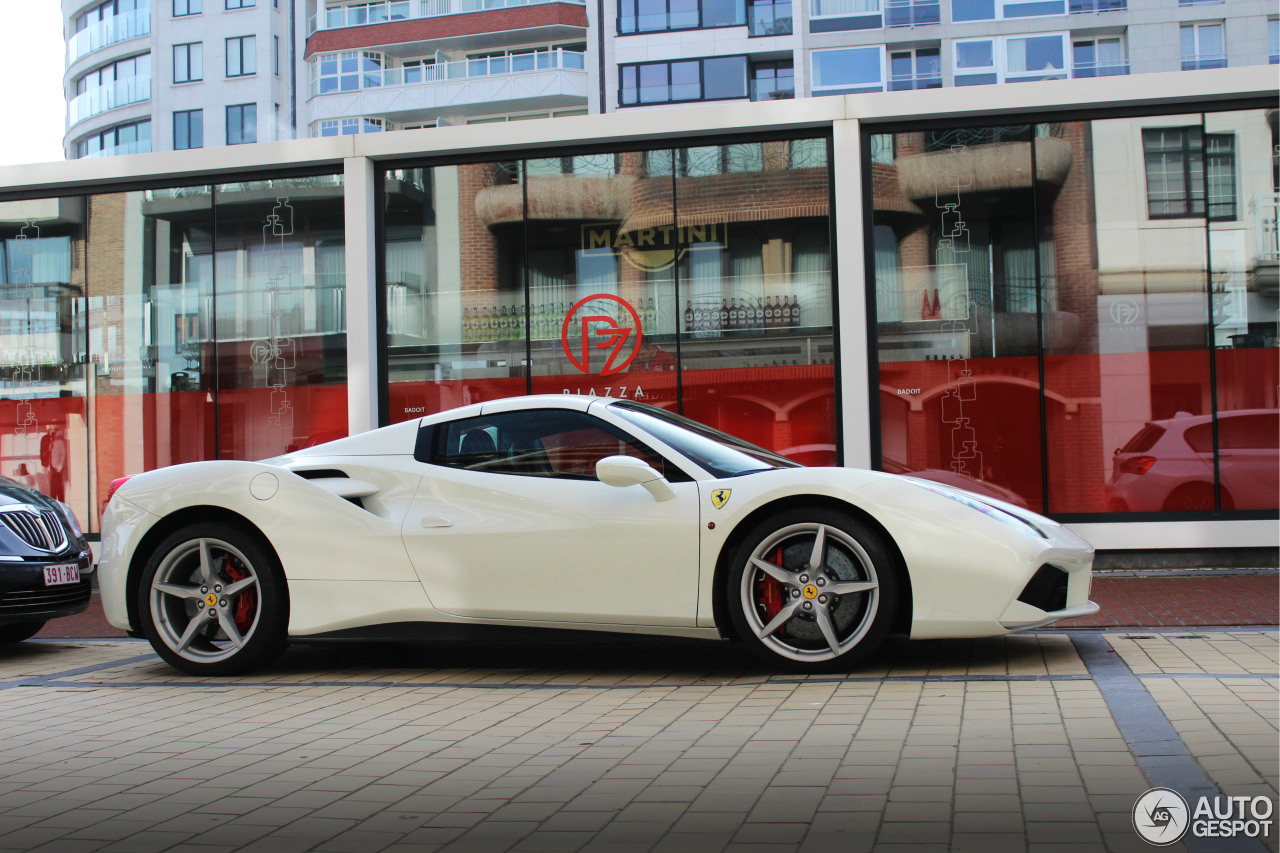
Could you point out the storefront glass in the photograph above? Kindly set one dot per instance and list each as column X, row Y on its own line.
column 154, row 327
column 1121, row 312
column 695, row 279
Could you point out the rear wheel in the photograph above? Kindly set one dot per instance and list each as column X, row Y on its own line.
column 213, row 601
column 813, row 590
column 18, row 633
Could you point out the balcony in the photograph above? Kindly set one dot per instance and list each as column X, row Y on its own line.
column 106, row 33
column 543, row 80
column 1081, row 7
column 770, row 20
column 1204, row 60
column 140, row 146
column 911, row 13
column 773, row 89
column 1113, row 68
column 843, row 8
column 907, row 82
column 407, row 10
column 99, row 99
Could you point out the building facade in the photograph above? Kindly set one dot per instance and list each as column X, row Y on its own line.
column 1062, row 295
column 164, row 75
column 664, row 52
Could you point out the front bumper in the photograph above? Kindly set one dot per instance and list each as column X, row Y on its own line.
column 24, row 597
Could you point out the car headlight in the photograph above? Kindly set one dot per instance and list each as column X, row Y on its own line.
column 1008, row 519
column 70, row 516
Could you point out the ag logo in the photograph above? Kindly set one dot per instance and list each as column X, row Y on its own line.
column 720, row 497
column 1161, row 816
column 601, row 321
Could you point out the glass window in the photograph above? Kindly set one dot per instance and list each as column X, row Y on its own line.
column 771, row 81
column 717, row 78
column 242, row 124
column 973, row 10
column 1100, row 57
column 696, row 279
column 240, row 4
column 1182, row 164
column 848, row 70
column 186, row 7
column 915, row 69
column 1036, row 58
column 1152, row 342
column 769, row 17
column 1032, row 8
column 645, row 16
column 724, row 77
column 975, row 63
column 188, row 129
column 1203, row 46
column 188, row 62
column 242, row 57
column 1273, row 40
column 552, row 443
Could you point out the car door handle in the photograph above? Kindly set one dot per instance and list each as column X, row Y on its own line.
column 436, row 521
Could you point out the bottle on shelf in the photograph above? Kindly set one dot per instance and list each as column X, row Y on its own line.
column 795, row 312
column 688, row 315
column 722, row 321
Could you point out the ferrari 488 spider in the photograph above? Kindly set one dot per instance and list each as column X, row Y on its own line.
column 569, row 512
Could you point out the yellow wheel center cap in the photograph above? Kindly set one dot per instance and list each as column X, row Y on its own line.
column 212, row 600
column 810, row 591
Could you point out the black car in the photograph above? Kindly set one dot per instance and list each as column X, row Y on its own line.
column 46, row 566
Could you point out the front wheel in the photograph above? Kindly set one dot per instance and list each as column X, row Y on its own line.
column 813, row 590
column 213, row 601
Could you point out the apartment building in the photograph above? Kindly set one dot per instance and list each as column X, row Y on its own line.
column 160, row 75
column 402, row 64
column 688, row 51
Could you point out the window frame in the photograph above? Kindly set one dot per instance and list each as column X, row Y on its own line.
column 187, row 62
column 636, row 69
column 740, row 6
column 1196, row 60
column 817, row 89
column 1195, row 205
column 233, row 5
column 187, row 116
column 252, row 54
column 192, row 7
column 243, row 109
column 999, row 68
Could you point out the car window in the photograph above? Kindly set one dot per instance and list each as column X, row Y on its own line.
column 1249, row 432
column 1144, row 439
column 541, row 443
column 1200, row 438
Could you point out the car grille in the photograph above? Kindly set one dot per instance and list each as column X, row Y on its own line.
column 18, row 602
column 41, row 530
column 1047, row 589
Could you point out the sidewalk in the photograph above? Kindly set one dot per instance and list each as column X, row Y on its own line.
column 1132, row 600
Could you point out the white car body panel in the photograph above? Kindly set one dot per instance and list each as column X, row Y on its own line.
column 437, row 544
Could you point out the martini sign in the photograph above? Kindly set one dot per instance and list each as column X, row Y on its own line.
column 653, row 249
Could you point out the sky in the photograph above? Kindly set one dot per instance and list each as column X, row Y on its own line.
column 32, row 52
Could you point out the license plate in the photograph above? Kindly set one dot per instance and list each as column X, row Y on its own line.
column 61, row 575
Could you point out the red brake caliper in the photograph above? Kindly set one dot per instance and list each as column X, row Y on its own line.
column 769, row 593
column 247, row 603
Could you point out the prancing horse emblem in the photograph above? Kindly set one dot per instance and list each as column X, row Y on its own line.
column 720, row 497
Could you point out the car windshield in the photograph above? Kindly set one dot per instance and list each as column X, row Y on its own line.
column 719, row 453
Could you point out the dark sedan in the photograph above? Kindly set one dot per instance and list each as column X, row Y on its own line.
column 46, row 566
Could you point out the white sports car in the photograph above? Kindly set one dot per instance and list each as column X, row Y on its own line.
column 569, row 513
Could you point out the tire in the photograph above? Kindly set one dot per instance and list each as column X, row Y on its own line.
column 247, row 623
column 771, row 576
column 1192, row 497
column 19, row 632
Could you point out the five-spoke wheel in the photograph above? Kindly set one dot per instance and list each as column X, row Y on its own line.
column 813, row 590
column 213, row 602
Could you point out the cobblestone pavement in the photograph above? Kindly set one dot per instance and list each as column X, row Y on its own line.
column 1040, row 742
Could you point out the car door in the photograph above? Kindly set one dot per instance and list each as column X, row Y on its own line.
column 510, row 523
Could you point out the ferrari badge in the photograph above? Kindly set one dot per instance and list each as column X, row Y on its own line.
column 720, row 497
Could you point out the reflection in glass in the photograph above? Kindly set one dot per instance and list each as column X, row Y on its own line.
column 574, row 274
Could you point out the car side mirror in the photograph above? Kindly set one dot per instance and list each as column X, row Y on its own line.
column 622, row 471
